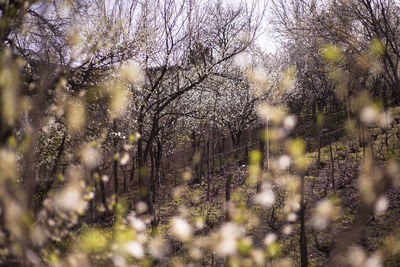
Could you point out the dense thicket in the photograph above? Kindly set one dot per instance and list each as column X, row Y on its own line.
column 120, row 122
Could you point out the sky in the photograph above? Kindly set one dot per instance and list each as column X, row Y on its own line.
column 266, row 40
column 268, row 43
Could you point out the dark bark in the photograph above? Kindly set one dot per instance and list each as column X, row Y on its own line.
column 228, row 197
column 332, row 166
column 158, row 157
column 303, row 234
column 132, row 172
column 318, row 134
column 152, row 175
column 123, row 170
column 246, row 148
column 221, row 151
column 152, row 193
column 235, row 136
column 142, row 156
column 115, row 163
column 103, row 192
column 208, row 168
column 195, row 160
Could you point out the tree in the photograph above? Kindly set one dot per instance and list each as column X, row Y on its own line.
column 205, row 41
column 352, row 26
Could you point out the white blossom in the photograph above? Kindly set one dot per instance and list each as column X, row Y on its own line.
column 135, row 249
column 381, row 205
column 181, row 229
column 266, row 197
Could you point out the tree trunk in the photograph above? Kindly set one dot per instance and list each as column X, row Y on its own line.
column 261, row 148
column 318, row 134
column 123, row 170
column 221, row 150
column 208, row 168
column 115, row 163
column 228, row 197
column 152, row 193
column 213, row 146
column 303, row 236
column 332, row 165
column 132, row 172
column 195, row 159
column 235, row 143
column 364, row 143
column 158, row 157
column 141, row 161
column 103, row 192
column 246, row 148
column 152, row 176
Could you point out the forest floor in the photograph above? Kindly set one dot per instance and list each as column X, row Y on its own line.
column 179, row 197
